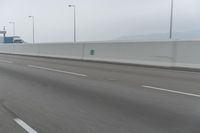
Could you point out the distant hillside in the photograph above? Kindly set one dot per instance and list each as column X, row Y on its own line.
column 162, row 36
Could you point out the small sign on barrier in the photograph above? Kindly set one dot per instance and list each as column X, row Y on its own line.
column 92, row 52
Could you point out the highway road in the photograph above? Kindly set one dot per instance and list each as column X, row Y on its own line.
column 46, row 95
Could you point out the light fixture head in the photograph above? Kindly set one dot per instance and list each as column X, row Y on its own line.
column 71, row 5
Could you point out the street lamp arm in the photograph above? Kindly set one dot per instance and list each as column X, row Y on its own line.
column 33, row 21
column 71, row 5
column 74, row 22
column 171, row 19
column 13, row 23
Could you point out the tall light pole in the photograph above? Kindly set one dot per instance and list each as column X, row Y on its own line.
column 171, row 19
column 33, row 21
column 13, row 23
column 73, row 6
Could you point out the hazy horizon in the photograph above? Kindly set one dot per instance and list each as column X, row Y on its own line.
column 97, row 20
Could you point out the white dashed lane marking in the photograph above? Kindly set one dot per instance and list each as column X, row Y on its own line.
column 6, row 61
column 25, row 126
column 56, row 70
column 171, row 91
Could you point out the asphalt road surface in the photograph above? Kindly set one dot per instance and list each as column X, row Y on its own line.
column 41, row 95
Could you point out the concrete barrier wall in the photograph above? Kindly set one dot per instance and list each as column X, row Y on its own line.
column 151, row 53
column 6, row 48
column 158, row 53
column 25, row 49
column 62, row 50
column 188, row 54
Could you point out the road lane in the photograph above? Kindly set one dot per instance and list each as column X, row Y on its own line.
column 118, row 74
column 57, row 102
column 25, row 126
column 171, row 91
column 7, row 124
column 56, row 70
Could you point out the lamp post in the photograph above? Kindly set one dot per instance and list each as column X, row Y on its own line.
column 73, row 6
column 33, row 21
column 13, row 23
column 171, row 19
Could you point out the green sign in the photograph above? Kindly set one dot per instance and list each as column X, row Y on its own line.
column 92, row 52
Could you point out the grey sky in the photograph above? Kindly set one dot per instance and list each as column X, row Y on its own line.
column 97, row 19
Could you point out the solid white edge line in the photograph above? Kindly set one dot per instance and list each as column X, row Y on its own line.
column 25, row 126
column 172, row 91
column 60, row 71
column 5, row 61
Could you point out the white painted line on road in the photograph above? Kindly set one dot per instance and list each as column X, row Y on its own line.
column 171, row 91
column 25, row 126
column 60, row 71
column 5, row 61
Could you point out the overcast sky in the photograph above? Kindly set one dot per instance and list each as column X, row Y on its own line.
column 97, row 19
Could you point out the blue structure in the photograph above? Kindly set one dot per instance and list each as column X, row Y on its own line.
column 8, row 39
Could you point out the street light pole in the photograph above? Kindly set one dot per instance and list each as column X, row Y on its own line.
column 171, row 19
column 33, row 21
column 13, row 23
column 74, row 22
